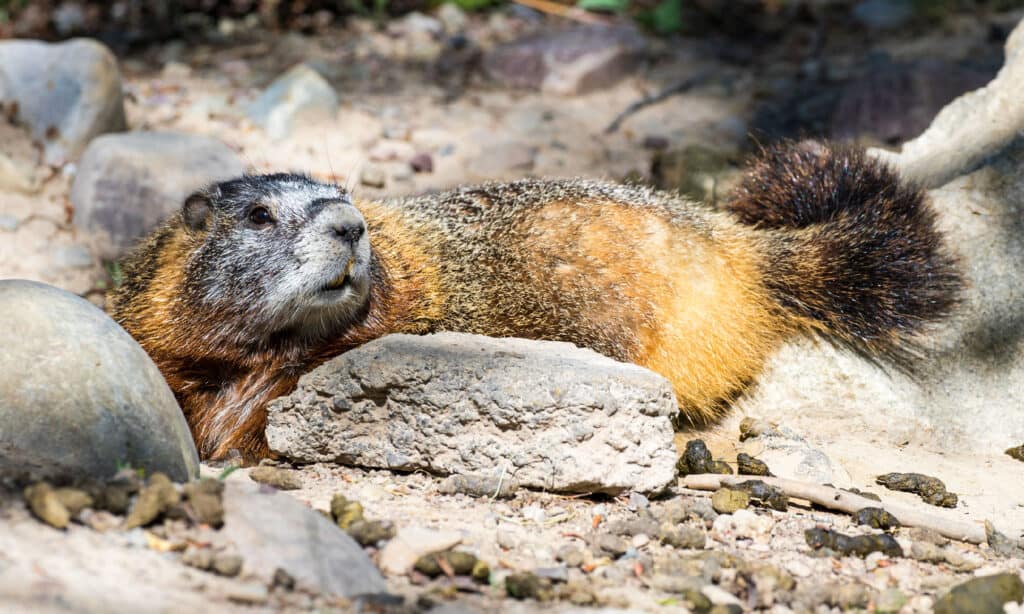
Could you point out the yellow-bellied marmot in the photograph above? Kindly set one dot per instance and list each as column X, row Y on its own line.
column 260, row 279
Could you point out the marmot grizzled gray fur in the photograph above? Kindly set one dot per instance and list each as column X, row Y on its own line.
column 260, row 279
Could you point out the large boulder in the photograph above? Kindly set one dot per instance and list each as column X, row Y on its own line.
column 968, row 394
column 127, row 183
column 65, row 93
column 78, row 395
column 545, row 414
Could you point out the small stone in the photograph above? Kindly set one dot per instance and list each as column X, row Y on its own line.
column 1017, row 453
column 371, row 532
column 494, row 486
column 227, row 565
column 200, row 558
column 890, row 601
column 682, row 536
column 73, row 499
column 411, row 543
column 986, row 594
column 727, row 500
column 282, row 479
column 45, row 504
column 100, row 521
column 422, row 162
column 528, row 586
column 283, row 579
column 152, row 501
column 345, row 512
column 433, row 565
column 570, row 555
column 507, row 539
column 612, row 544
column 748, row 465
column 720, row 596
column 250, row 593
column 640, row 540
column 453, row 18
column 373, row 176
column 481, row 572
column 299, row 94
column 555, row 574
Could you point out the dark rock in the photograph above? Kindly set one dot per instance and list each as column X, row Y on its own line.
column 126, row 184
column 528, row 586
column 422, row 163
column 985, row 595
column 764, row 494
column 439, row 402
column 572, row 61
column 272, row 531
column 65, row 93
column 876, row 518
column 95, row 401
column 1017, row 453
column 859, row 545
column 931, row 490
column 696, row 458
column 748, row 465
column 371, row 532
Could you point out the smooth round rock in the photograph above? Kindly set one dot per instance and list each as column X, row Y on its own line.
column 78, row 396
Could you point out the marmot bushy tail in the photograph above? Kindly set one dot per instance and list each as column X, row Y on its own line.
column 856, row 250
column 262, row 278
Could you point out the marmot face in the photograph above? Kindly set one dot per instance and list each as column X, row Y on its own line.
column 283, row 251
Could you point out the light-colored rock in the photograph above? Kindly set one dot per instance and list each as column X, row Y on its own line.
column 66, row 93
column 967, row 395
column 554, row 416
column 78, row 396
column 572, row 61
column 300, row 93
column 401, row 553
column 271, row 530
column 128, row 183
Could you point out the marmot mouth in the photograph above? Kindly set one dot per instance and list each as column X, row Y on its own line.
column 343, row 280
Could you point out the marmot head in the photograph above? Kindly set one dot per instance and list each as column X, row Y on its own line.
column 282, row 253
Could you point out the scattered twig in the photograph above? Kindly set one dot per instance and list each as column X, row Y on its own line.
column 836, row 499
column 561, row 10
column 676, row 88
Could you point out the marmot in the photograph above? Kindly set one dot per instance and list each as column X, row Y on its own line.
column 259, row 279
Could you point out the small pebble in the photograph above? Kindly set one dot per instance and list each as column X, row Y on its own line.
column 46, row 505
column 73, row 499
column 570, row 555
column 227, row 565
column 422, row 163
column 682, row 536
column 727, row 500
column 281, row 479
column 373, row 177
column 251, row 593
column 370, row 532
column 748, row 465
column 612, row 544
column 495, row 486
column 155, row 498
column 555, row 574
column 528, row 586
column 345, row 512
column 984, row 594
column 200, row 558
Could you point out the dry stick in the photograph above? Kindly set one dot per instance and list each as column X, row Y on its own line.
column 672, row 90
column 850, row 503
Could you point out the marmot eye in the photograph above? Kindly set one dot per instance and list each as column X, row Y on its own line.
column 260, row 216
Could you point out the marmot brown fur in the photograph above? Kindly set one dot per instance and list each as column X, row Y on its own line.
column 260, row 279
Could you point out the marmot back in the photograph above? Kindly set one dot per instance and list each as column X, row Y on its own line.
column 260, row 279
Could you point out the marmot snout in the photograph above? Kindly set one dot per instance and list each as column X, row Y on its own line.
column 260, row 279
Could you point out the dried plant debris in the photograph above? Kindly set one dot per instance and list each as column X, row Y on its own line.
column 857, row 545
column 984, row 594
column 931, row 490
column 876, row 518
column 1017, row 453
column 697, row 459
column 748, row 465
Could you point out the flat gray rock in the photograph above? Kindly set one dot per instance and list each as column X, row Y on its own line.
column 549, row 415
column 128, row 183
column 65, row 93
column 271, row 530
column 78, row 395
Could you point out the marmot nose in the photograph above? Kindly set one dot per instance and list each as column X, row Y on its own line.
column 346, row 224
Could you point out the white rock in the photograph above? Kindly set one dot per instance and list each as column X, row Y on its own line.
column 401, row 553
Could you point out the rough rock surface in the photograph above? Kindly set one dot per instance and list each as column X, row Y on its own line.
column 273, row 531
column 65, row 93
column 969, row 392
column 78, row 395
column 127, row 183
column 573, row 61
column 550, row 415
column 300, row 91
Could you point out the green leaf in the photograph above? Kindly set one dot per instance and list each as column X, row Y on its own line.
column 666, row 17
column 472, row 5
column 603, row 6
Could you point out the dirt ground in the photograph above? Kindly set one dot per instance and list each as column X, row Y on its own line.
column 467, row 129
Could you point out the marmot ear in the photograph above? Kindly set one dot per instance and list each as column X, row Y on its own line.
column 197, row 211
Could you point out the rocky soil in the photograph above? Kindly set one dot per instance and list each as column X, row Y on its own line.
column 424, row 102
